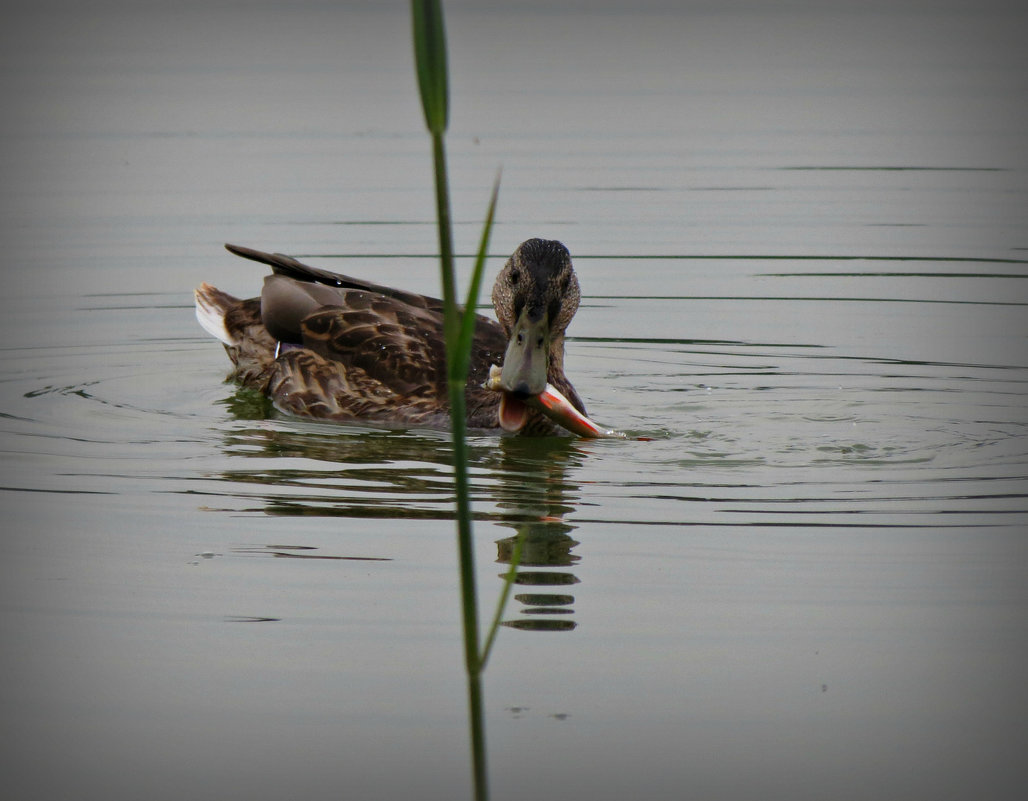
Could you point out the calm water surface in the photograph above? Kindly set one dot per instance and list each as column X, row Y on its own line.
column 801, row 237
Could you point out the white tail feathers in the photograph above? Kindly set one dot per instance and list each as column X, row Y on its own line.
column 210, row 313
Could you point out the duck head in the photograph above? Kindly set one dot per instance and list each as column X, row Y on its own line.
column 535, row 296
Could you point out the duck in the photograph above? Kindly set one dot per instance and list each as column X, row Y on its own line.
column 330, row 347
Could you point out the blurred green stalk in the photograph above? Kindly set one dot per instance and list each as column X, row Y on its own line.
column 458, row 330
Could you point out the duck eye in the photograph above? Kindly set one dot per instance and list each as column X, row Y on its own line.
column 515, row 276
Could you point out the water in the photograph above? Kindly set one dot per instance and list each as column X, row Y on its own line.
column 801, row 240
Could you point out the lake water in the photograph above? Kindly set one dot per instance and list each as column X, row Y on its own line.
column 802, row 239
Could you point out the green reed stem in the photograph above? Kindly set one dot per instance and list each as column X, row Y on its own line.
column 451, row 319
column 508, row 582
column 458, row 331
column 456, row 375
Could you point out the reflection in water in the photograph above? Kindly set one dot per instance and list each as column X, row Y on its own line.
column 330, row 470
column 296, row 552
column 535, row 502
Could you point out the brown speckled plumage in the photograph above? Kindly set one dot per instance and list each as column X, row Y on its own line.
column 348, row 350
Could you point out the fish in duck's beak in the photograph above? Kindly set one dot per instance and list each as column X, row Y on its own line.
column 525, row 366
column 552, row 404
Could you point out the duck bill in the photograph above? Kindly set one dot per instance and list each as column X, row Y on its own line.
column 525, row 362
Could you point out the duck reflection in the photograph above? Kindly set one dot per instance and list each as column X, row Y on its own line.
column 534, row 495
column 330, row 470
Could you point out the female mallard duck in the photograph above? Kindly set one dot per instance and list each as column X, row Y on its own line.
column 330, row 347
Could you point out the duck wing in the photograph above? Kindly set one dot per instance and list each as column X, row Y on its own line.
column 400, row 346
column 365, row 331
column 291, row 268
column 397, row 345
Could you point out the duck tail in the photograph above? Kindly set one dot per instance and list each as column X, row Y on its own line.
column 211, row 307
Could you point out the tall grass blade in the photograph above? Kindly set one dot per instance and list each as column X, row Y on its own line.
column 508, row 582
column 451, row 320
column 467, row 320
column 430, row 62
column 433, row 84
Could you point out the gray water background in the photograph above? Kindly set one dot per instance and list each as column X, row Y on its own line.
column 801, row 232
